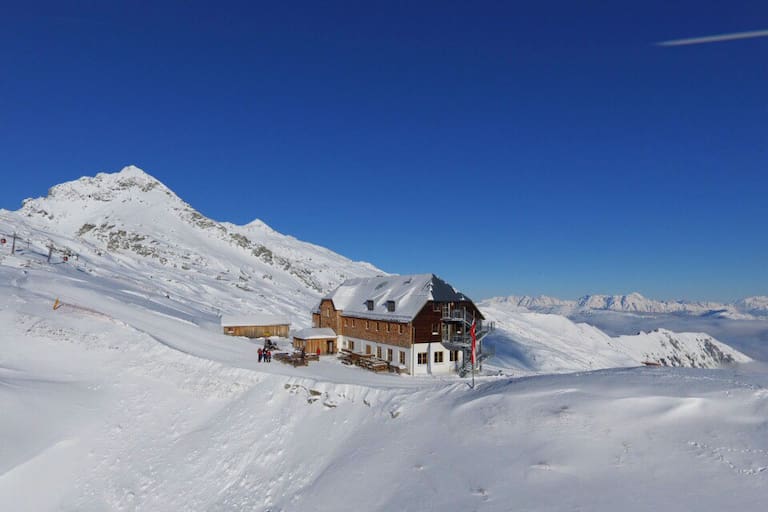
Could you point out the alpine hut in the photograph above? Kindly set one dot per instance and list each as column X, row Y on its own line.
column 314, row 339
column 256, row 325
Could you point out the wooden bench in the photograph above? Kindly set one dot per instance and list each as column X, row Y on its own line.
column 354, row 357
column 292, row 359
column 379, row 366
column 367, row 361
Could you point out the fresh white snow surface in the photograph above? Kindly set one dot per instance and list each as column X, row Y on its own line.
column 127, row 397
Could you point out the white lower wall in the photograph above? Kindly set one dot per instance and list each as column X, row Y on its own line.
column 412, row 365
column 447, row 367
column 344, row 342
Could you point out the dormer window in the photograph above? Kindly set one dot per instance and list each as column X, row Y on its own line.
column 369, row 305
column 390, row 306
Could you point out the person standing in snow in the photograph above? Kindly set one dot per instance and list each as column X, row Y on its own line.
column 268, row 356
column 261, row 354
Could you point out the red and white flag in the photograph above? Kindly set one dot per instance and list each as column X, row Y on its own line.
column 474, row 341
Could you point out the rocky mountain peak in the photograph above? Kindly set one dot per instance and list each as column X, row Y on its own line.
column 97, row 196
column 132, row 217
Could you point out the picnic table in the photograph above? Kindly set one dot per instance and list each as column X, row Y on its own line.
column 367, row 361
column 296, row 358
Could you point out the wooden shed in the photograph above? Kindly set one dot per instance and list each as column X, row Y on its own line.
column 256, row 326
column 316, row 338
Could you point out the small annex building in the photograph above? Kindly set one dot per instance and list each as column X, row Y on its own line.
column 418, row 323
column 257, row 325
column 314, row 339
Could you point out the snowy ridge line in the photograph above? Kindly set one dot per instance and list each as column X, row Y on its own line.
column 634, row 303
column 548, row 343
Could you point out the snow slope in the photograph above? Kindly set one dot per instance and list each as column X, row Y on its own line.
column 116, row 405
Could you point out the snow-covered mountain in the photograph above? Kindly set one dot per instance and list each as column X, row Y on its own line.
column 551, row 343
column 756, row 306
column 129, row 225
column 745, row 309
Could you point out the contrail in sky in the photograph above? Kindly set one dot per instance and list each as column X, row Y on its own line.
column 715, row 38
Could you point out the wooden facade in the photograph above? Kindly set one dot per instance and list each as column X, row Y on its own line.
column 316, row 341
column 423, row 328
column 256, row 326
column 258, row 331
column 326, row 346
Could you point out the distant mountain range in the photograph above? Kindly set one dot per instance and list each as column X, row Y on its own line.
column 543, row 342
column 744, row 309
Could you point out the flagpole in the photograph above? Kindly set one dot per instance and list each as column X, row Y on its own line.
column 474, row 348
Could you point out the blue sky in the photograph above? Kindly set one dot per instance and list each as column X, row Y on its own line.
column 511, row 149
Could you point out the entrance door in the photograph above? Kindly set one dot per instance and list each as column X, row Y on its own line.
column 329, row 347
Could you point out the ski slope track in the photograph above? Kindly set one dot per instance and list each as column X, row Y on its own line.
column 127, row 397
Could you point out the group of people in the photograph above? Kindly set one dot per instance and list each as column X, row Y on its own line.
column 265, row 355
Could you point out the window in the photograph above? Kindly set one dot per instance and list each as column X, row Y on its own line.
column 454, row 355
column 400, row 328
column 367, row 349
column 367, row 324
column 402, row 357
column 345, row 322
column 378, row 352
column 436, row 306
column 439, row 356
column 421, row 358
column 387, row 325
column 353, row 322
column 327, row 312
column 351, row 345
column 390, row 353
column 377, row 326
column 390, row 306
column 435, row 329
column 369, row 305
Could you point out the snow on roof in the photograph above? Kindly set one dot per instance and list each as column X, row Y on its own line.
column 409, row 293
column 254, row 319
column 313, row 333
